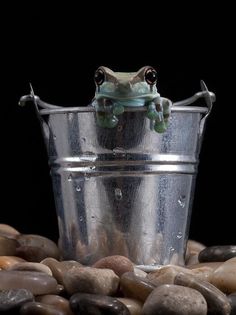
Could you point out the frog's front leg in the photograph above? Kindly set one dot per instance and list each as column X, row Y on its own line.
column 106, row 112
column 159, row 111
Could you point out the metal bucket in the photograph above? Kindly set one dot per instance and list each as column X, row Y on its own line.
column 125, row 191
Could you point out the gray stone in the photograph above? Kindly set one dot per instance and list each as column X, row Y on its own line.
column 217, row 302
column 37, row 308
column 13, row 299
column 217, row 253
column 90, row 304
column 59, row 301
column 170, row 299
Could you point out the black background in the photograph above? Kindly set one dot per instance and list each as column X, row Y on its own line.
column 58, row 53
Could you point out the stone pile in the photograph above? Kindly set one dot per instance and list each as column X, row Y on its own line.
column 33, row 280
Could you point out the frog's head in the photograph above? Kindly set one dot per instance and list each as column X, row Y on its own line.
column 122, row 85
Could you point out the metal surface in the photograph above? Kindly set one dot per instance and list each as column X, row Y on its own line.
column 126, row 190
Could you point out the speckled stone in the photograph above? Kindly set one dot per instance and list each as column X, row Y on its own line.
column 135, row 287
column 170, row 299
column 7, row 262
column 8, row 231
column 232, row 300
column 8, row 246
column 36, row 282
column 119, row 264
column 217, row 253
column 37, row 308
column 90, row 304
column 13, row 299
column 31, row 266
column 217, row 302
column 224, row 277
column 56, row 300
column 134, row 306
column 35, row 247
column 91, row 280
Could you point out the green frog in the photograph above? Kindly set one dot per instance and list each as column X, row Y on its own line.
column 117, row 90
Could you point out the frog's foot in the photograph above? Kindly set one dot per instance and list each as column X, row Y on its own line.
column 118, row 109
column 106, row 120
column 152, row 113
column 160, row 126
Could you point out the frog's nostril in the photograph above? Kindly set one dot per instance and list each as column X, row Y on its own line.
column 124, row 87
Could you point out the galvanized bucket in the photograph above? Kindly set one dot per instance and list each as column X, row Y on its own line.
column 125, row 191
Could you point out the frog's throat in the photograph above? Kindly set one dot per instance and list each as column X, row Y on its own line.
column 130, row 97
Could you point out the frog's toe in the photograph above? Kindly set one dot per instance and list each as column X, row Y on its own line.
column 160, row 127
column 111, row 121
column 118, row 110
column 101, row 121
column 152, row 114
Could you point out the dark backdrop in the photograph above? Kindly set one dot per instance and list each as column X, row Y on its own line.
column 58, row 53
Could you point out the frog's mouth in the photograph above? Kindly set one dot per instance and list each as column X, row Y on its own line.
column 146, row 96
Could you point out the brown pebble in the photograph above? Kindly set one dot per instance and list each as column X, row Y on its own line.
column 91, row 280
column 135, row 287
column 224, row 277
column 212, row 265
column 8, row 246
column 36, row 282
column 35, row 247
column 134, row 306
column 7, row 262
column 57, row 300
column 37, row 308
column 217, row 302
column 119, row 264
column 31, row 266
column 8, row 231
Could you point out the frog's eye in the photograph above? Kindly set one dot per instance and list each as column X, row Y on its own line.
column 151, row 76
column 99, row 76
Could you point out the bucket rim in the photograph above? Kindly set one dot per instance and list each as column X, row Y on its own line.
column 88, row 109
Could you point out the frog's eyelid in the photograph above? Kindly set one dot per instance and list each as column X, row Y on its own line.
column 140, row 75
column 109, row 74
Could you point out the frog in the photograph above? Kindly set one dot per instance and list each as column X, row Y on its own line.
column 117, row 90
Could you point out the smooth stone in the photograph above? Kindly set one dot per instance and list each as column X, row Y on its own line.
column 59, row 301
column 135, row 287
column 134, row 306
column 31, row 266
column 8, row 231
column 90, row 304
column 232, row 300
column 192, row 259
column 13, row 299
column 8, row 246
column 119, row 264
column 140, row 273
column 217, row 301
column 37, row 308
column 174, row 300
column 224, row 277
column 91, row 280
column 212, row 265
column 194, row 246
column 35, row 247
column 36, row 282
column 7, row 262
column 59, row 268
column 217, row 253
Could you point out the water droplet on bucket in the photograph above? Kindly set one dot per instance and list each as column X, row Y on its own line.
column 69, row 178
column 92, row 167
column 87, row 176
column 179, row 235
column 119, row 151
column 81, row 218
column 83, row 139
column 78, row 189
column 70, row 116
column 171, row 249
column 118, row 194
column 181, row 201
column 54, row 137
column 119, row 128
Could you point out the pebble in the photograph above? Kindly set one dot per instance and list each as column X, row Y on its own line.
column 35, row 247
column 8, row 246
column 7, row 262
column 135, row 287
column 134, row 306
column 59, row 268
column 232, row 300
column 31, row 266
column 56, row 300
column 224, row 277
column 13, row 299
column 217, row 302
column 91, row 280
column 140, row 273
column 37, row 308
column 119, row 264
column 194, row 246
column 175, row 300
column 212, row 265
column 8, row 231
column 36, row 282
column 90, row 304
column 217, row 253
